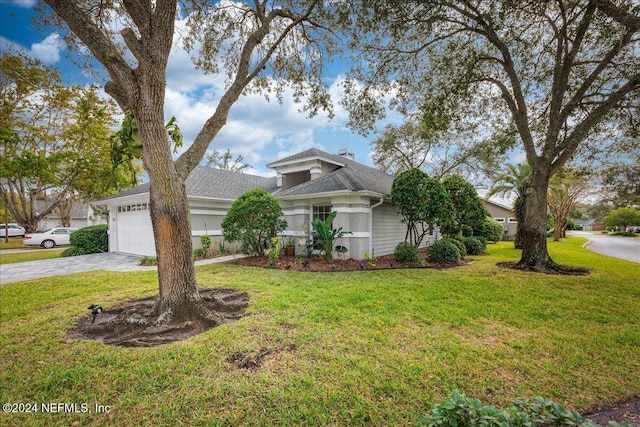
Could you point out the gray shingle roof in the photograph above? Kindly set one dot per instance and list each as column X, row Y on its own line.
column 212, row 183
column 353, row 176
column 220, row 184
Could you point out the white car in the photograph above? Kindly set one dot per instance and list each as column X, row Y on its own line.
column 50, row 238
column 14, row 230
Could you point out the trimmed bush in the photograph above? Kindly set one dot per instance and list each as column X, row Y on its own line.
column 406, row 252
column 88, row 240
column 444, row 252
column 474, row 245
column 461, row 247
column 466, row 230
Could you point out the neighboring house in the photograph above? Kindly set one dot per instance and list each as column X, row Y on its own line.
column 82, row 215
column 308, row 185
column 590, row 224
column 504, row 215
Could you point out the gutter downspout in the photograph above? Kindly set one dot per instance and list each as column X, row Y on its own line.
column 371, row 225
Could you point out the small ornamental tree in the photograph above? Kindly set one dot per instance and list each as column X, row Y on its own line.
column 469, row 208
column 254, row 218
column 623, row 217
column 421, row 201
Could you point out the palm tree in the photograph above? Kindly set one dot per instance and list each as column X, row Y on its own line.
column 514, row 179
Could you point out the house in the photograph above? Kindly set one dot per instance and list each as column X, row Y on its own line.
column 504, row 215
column 82, row 215
column 590, row 224
column 310, row 184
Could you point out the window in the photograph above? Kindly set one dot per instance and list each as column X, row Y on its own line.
column 500, row 220
column 321, row 211
column 132, row 208
column 512, row 220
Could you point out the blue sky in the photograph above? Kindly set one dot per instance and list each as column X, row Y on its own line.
column 259, row 130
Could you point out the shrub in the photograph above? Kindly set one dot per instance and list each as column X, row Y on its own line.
column 253, row 219
column 406, row 252
column 444, row 252
column 149, row 261
column 274, row 250
column 474, row 245
column 466, row 230
column 490, row 229
column 205, row 250
column 461, row 247
column 88, row 240
column 464, row 411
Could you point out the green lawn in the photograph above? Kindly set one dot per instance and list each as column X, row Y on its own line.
column 360, row 348
column 29, row 255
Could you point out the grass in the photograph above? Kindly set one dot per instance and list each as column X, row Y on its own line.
column 13, row 243
column 30, row 256
column 358, row 348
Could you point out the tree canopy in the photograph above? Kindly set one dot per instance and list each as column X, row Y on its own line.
column 422, row 202
column 54, row 141
column 554, row 74
column 264, row 47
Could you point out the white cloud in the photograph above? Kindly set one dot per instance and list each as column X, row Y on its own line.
column 24, row 3
column 48, row 50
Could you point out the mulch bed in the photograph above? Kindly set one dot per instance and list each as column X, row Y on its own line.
column 318, row 264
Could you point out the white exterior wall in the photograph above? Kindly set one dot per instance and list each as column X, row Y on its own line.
column 388, row 231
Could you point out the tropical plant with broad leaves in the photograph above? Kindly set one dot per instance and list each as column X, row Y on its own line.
column 325, row 236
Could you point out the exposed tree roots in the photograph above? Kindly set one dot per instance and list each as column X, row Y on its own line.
column 549, row 267
column 132, row 325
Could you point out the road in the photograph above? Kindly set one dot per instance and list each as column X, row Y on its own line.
column 626, row 248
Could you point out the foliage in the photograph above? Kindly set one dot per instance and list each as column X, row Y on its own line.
column 422, row 202
column 432, row 142
column 274, row 250
column 380, row 347
column 514, row 179
column 466, row 230
column 622, row 217
column 205, row 249
column 325, row 236
column 474, row 245
column 226, row 161
column 444, row 251
column 461, row 247
column 490, row 229
column 54, row 141
column 371, row 260
column 256, row 47
column 88, row 240
column 495, row 64
column 469, row 208
column 565, row 188
column 254, row 218
column 149, row 261
column 460, row 410
column 406, row 252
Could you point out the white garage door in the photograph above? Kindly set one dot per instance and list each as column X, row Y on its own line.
column 134, row 231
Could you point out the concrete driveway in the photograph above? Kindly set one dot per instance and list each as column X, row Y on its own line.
column 616, row 246
column 110, row 261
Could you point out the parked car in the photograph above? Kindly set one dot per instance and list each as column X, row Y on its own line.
column 633, row 230
column 50, row 238
column 14, row 230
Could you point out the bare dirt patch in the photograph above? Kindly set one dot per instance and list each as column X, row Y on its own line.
column 128, row 324
column 254, row 361
column 549, row 269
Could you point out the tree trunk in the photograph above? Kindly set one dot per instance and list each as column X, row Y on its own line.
column 535, row 255
column 178, row 298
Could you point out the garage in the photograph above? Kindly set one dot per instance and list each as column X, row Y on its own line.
column 133, row 230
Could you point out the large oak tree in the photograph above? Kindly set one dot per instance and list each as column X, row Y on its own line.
column 561, row 71
column 258, row 45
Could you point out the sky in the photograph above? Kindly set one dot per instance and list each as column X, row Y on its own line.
column 261, row 131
